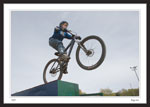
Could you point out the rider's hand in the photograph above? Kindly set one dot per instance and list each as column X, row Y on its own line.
column 78, row 37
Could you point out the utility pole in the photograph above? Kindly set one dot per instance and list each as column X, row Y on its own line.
column 134, row 68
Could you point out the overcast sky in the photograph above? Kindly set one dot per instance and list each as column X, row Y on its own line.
column 30, row 51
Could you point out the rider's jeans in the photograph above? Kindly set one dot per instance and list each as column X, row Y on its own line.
column 57, row 44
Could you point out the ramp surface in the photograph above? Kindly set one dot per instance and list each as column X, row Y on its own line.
column 55, row 88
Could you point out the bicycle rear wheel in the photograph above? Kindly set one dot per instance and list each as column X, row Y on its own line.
column 96, row 53
column 52, row 71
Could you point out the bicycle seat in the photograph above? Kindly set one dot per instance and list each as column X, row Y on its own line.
column 57, row 54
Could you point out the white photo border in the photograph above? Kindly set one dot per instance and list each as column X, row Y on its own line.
column 142, row 98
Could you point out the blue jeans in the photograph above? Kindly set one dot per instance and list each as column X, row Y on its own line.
column 57, row 44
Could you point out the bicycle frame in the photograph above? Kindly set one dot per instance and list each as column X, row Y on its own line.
column 71, row 44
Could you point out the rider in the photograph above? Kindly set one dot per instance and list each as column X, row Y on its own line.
column 61, row 32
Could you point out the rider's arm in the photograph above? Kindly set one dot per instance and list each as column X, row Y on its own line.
column 68, row 36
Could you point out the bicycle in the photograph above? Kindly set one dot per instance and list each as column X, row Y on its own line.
column 84, row 49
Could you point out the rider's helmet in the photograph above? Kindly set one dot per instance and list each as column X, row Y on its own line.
column 62, row 22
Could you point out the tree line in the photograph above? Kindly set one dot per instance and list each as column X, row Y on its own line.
column 123, row 92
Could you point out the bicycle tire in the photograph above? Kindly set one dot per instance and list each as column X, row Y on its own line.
column 102, row 55
column 45, row 69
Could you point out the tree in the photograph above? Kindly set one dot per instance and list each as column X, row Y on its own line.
column 106, row 91
column 81, row 92
column 129, row 92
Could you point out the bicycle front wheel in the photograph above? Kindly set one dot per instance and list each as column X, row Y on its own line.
column 95, row 55
column 52, row 71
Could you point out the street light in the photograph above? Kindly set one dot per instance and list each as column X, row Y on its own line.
column 134, row 68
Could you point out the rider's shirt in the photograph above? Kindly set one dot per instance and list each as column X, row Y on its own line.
column 60, row 34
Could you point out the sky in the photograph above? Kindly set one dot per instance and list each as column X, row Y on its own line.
column 30, row 51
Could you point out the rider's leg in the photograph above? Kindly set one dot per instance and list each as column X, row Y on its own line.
column 53, row 43
column 58, row 45
column 61, row 50
column 65, row 57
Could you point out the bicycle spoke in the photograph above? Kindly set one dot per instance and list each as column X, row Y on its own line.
column 52, row 72
column 95, row 47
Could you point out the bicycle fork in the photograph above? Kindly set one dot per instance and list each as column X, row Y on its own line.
column 82, row 47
